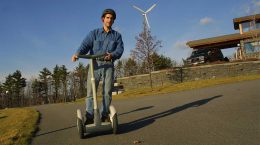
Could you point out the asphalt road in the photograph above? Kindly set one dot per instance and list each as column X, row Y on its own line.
column 220, row 115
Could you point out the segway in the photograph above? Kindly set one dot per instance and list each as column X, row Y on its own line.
column 98, row 125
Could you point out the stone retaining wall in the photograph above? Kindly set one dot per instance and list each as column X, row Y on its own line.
column 184, row 74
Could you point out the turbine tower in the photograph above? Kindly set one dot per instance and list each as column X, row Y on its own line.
column 145, row 12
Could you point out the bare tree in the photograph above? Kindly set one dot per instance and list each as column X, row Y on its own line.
column 146, row 45
column 37, row 89
column 73, row 85
column 81, row 72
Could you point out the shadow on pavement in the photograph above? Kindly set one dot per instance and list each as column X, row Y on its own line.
column 140, row 123
column 95, row 134
column 139, row 109
column 110, row 131
column 55, row 131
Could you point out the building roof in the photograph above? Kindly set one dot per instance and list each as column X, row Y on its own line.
column 222, row 42
column 237, row 21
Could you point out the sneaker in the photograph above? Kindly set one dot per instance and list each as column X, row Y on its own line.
column 105, row 119
column 89, row 119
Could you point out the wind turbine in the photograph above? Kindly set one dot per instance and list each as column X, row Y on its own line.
column 145, row 12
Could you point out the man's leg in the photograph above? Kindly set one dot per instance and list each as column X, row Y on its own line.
column 108, row 80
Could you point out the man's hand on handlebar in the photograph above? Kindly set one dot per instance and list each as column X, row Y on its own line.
column 108, row 57
column 74, row 58
column 104, row 57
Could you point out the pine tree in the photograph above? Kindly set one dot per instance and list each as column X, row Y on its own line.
column 56, row 82
column 161, row 62
column 130, row 67
column 20, row 83
column 1, row 89
column 44, row 76
column 64, row 78
column 119, row 69
column 8, row 87
column 14, row 85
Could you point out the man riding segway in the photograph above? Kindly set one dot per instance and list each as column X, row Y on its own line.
column 105, row 41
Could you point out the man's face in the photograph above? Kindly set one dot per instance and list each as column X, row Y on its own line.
column 108, row 20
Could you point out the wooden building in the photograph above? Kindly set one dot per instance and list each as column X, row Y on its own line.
column 247, row 40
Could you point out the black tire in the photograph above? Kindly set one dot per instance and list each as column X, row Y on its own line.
column 115, row 124
column 80, row 128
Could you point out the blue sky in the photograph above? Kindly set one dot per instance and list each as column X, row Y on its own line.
column 42, row 33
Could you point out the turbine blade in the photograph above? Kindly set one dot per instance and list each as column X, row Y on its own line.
column 146, row 19
column 138, row 9
column 150, row 8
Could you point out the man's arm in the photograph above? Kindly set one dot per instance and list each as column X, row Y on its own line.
column 85, row 46
column 119, row 49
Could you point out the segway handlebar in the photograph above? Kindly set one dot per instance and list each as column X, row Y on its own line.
column 96, row 56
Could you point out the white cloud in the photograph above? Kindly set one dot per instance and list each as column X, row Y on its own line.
column 179, row 51
column 252, row 8
column 247, row 10
column 256, row 7
column 180, row 45
column 206, row 20
column 257, row 3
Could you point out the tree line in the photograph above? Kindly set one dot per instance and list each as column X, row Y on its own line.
column 61, row 85
column 130, row 66
column 58, row 85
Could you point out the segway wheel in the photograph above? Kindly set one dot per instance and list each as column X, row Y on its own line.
column 80, row 128
column 115, row 124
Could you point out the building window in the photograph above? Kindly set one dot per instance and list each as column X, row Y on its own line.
column 250, row 25
column 257, row 24
column 252, row 47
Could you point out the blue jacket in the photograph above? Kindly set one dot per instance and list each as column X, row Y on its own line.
column 99, row 42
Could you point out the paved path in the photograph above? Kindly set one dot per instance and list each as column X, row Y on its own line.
column 221, row 115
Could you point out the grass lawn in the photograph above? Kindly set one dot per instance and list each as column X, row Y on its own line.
column 17, row 125
column 171, row 88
